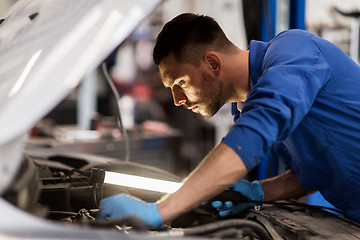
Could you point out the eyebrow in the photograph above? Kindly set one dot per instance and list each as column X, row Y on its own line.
column 165, row 75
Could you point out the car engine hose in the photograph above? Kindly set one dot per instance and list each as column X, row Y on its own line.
column 134, row 222
column 228, row 224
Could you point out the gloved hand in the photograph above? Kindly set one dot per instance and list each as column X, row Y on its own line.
column 251, row 190
column 123, row 205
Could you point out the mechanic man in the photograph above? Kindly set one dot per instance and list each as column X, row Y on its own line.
column 297, row 96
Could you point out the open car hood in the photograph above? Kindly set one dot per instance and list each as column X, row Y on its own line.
column 46, row 48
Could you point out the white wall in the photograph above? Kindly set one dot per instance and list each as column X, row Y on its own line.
column 4, row 6
column 319, row 11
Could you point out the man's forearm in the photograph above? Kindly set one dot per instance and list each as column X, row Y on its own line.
column 285, row 186
column 216, row 172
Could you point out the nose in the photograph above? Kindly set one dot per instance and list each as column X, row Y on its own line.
column 178, row 96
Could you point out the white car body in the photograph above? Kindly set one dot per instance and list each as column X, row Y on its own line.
column 46, row 48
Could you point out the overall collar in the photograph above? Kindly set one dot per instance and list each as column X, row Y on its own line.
column 257, row 50
column 256, row 56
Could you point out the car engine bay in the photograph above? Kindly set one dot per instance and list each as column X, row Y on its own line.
column 66, row 188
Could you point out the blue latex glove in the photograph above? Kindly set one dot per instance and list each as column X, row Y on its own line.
column 123, row 205
column 251, row 190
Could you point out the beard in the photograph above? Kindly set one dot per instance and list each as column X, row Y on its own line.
column 210, row 100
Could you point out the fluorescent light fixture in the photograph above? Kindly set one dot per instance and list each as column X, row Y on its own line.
column 146, row 183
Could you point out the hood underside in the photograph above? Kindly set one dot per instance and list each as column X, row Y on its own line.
column 46, row 48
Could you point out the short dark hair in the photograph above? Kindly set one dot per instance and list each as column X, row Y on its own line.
column 187, row 36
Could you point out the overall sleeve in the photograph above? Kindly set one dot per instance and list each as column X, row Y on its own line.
column 293, row 71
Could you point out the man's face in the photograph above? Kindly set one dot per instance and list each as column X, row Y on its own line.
column 195, row 88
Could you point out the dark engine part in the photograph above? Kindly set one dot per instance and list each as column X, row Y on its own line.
column 65, row 197
column 70, row 190
column 69, row 187
column 304, row 222
column 233, row 228
column 25, row 189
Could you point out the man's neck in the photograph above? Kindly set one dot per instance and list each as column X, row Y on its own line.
column 237, row 76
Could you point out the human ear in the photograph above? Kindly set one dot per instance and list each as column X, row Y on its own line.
column 213, row 61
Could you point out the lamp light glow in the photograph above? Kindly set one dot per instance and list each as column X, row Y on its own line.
column 146, row 183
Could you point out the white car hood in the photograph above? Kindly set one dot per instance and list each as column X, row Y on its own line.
column 46, row 47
